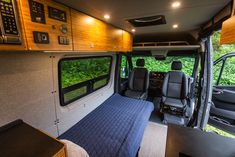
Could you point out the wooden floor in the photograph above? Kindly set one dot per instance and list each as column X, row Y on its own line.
column 154, row 141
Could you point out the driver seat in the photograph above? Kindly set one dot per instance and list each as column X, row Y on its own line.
column 138, row 81
column 175, row 91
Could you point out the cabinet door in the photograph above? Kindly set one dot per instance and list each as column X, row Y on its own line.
column 89, row 34
column 115, row 42
column 127, row 41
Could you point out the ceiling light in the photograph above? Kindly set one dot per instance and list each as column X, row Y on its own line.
column 175, row 26
column 133, row 30
column 107, row 16
column 89, row 20
column 176, row 4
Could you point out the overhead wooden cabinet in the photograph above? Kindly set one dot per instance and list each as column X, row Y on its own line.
column 115, row 42
column 54, row 27
column 90, row 34
column 127, row 41
column 228, row 31
column 49, row 26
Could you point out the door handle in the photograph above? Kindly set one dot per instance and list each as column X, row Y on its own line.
column 221, row 120
column 217, row 91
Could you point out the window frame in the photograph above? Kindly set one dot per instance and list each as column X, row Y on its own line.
column 89, row 84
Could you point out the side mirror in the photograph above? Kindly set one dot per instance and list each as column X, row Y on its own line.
column 124, row 72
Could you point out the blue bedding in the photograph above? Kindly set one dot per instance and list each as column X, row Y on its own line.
column 114, row 129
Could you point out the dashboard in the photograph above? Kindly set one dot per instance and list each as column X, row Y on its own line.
column 156, row 80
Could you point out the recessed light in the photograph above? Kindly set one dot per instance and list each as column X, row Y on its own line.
column 175, row 26
column 106, row 16
column 133, row 30
column 89, row 20
column 176, row 4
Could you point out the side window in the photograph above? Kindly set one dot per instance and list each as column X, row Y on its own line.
column 124, row 70
column 81, row 76
column 228, row 75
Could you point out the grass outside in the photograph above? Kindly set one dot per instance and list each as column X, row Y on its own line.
column 99, row 84
column 210, row 128
column 75, row 93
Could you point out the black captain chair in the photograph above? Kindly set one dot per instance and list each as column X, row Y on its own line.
column 138, row 81
column 175, row 91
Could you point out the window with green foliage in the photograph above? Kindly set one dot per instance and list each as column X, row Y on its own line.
column 124, row 67
column 228, row 75
column 82, row 76
column 165, row 65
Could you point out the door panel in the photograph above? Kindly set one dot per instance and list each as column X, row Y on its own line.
column 222, row 112
column 224, row 97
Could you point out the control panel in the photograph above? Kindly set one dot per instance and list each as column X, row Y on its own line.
column 63, row 40
column 37, row 12
column 9, row 23
column 57, row 14
column 41, row 37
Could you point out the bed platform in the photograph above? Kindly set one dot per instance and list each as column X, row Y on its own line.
column 114, row 129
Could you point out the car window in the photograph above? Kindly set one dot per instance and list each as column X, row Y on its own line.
column 216, row 72
column 81, row 76
column 228, row 75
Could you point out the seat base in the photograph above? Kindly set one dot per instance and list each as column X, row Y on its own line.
column 173, row 106
column 136, row 94
column 172, row 119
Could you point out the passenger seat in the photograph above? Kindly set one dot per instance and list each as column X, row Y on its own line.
column 138, row 81
column 175, row 91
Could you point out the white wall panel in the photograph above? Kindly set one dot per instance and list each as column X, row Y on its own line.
column 26, row 84
column 27, row 81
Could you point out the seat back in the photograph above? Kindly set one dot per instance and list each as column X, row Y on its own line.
column 175, row 84
column 139, row 77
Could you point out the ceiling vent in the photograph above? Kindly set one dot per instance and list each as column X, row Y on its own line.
column 148, row 21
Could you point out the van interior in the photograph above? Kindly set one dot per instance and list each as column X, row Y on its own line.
column 120, row 78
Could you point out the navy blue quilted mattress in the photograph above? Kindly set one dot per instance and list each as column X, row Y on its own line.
column 114, row 129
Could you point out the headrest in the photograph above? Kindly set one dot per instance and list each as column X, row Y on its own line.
column 140, row 62
column 176, row 65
